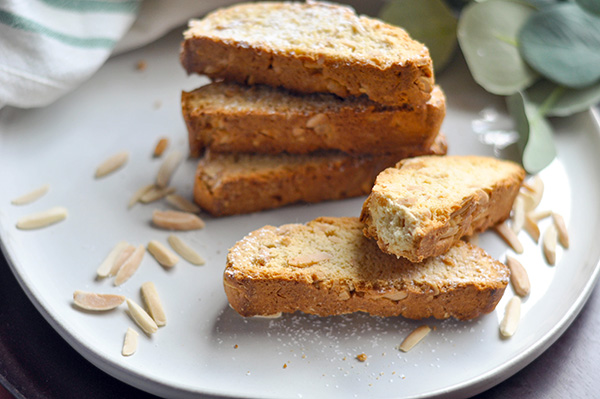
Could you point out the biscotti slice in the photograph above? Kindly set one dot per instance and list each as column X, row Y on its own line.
column 423, row 205
column 310, row 47
column 228, row 184
column 328, row 267
column 229, row 117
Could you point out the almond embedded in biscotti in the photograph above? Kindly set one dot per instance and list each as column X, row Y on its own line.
column 316, row 120
column 309, row 259
column 414, row 338
column 97, row 302
column 176, row 220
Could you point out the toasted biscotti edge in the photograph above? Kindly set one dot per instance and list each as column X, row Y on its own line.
column 292, row 178
column 309, row 123
column 253, row 287
column 483, row 208
column 306, row 69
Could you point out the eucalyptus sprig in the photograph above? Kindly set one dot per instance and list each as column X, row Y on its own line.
column 544, row 55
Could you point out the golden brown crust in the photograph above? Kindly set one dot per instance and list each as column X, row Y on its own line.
column 261, row 277
column 228, row 184
column 223, row 46
column 422, row 206
column 227, row 117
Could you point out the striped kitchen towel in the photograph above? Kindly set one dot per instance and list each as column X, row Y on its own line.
column 49, row 47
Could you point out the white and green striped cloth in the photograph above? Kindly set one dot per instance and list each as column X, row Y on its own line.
column 49, row 47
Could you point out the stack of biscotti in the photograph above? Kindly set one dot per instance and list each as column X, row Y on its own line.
column 416, row 267
column 309, row 101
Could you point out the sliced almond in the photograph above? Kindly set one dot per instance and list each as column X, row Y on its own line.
column 161, row 146
column 535, row 186
column 183, row 204
column 142, row 319
column 549, row 244
column 97, row 302
column 31, row 196
column 139, row 194
column 185, row 251
column 268, row 316
column 153, row 303
column 42, row 219
column 509, row 236
column 518, row 277
column 518, row 217
column 176, row 220
column 121, row 258
column 155, row 193
column 130, row 266
column 162, row 254
column 112, row 164
column 167, row 168
column 537, row 216
column 414, row 338
column 473, row 239
column 309, row 259
column 561, row 228
column 130, row 343
column 532, row 228
column 512, row 315
column 107, row 265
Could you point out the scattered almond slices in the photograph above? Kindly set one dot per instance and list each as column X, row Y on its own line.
column 31, row 196
column 142, row 319
column 177, row 220
column 183, row 204
column 162, row 254
column 509, row 236
column 42, row 219
column 161, row 146
column 535, row 185
column 139, row 194
column 112, row 164
column 130, row 266
column 549, row 244
column 168, row 167
column 518, row 277
column 107, row 264
column 121, row 258
column 414, row 338
column 185, row 251
column 97, row 302
column 130, row 344
column 518, row 218
column 155, row 193
column 532, row 228
column 561, row 229
column 153, row 303
column 512, row 315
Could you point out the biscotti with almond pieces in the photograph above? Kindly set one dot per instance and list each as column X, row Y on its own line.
column 230, row 117
column 328, row 267
column 228, row 184
column 424, row 205
column 309, row 47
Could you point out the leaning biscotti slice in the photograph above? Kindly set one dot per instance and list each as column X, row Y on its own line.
column 229, row 117
column 422, row 206
column 228, row 184
column 310, row 48
column 328, row 267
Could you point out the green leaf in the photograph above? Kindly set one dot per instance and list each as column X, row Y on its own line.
column 535, row 133
column 562, row 42
column 592, row 6
column 555, row 100
column 487, row 33
column 428, row 21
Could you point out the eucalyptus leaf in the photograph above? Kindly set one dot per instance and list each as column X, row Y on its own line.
column 535, row 133
column 428, row 21
column 554, row 100
column 487, row 33
column 562, row 42
column 592, row 6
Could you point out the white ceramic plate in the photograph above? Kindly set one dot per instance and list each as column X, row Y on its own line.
column 206, row 348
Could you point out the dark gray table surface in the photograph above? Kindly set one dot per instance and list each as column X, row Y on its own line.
column 35, row 362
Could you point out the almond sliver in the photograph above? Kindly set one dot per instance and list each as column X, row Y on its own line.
column 185, row 251
column 518, row 217
column 183, row 204
column 509, row 236
column 162, row 254
column 112, row 164
column 161, row 146
column 168, row 167
column 414, row 338
column 121, row 258
column 130, row 266
column 97, row 302
column 512, row 315
column 155, row 193
column 42, row 219
column 139, row 194
column 518, row 277
column 142, row 319
column 153, row 303
column 130, row 343
column 532, row 228
column 106, row 265
column 31, row 196
column 176, row 220
column 561, row 229
column 549, row 244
